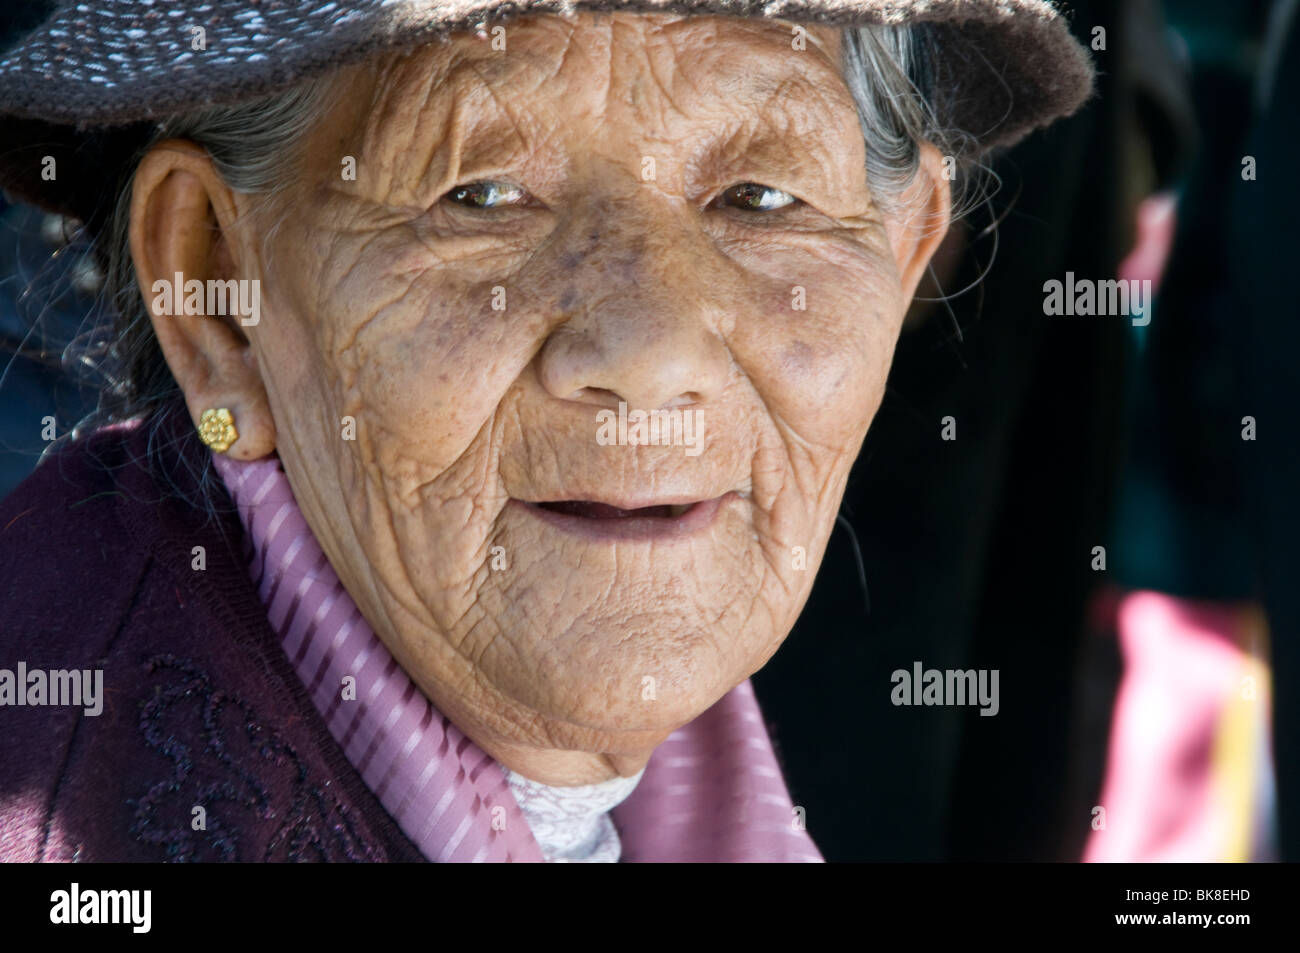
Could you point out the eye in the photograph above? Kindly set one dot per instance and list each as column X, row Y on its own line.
column 486, row 195
column 752, row 197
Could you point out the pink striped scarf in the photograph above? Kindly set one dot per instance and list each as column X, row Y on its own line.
column 711, row 792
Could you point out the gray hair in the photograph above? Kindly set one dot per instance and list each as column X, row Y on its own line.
column 887, row 70
column 889, row 73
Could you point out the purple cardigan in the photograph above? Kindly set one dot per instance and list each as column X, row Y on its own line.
column 200, row 704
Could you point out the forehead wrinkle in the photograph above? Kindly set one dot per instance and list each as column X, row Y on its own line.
column 432, row 135
column 518, row 125
column 757, row 134
column 568, row 50
column 438, row 105
column 819, row 62
column 403, row 96
column 810, row 80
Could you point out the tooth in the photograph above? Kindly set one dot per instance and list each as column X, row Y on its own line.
column 677, row 509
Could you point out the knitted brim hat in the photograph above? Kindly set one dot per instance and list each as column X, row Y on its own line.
column 82, row 81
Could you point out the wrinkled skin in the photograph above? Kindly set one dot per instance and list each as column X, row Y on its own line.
column 377, row 303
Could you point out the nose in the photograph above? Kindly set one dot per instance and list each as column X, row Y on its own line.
column 639, row 323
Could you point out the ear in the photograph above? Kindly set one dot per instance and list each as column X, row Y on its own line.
column 182, row 222
column 926, row 205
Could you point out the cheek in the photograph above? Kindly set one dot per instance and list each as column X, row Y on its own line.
column 425, row 374
column 819, row 350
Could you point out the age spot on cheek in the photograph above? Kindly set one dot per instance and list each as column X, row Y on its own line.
column 571, row 260
column 797, row 359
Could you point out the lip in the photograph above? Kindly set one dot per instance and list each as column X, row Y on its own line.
column 699, row 517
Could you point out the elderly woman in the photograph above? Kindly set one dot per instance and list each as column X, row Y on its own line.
column 531, row 356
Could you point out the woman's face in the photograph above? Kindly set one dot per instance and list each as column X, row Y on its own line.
column 663, row 213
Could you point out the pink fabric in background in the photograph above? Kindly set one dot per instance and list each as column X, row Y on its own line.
column 1156, row 224
column 1164, row 795
column 711, row 792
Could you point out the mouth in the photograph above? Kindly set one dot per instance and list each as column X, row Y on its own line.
column 594, row 520
column 590, row 509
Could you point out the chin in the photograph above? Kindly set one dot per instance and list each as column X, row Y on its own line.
column 653, row 676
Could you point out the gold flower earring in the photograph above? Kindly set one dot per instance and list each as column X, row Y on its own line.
column 217, row 429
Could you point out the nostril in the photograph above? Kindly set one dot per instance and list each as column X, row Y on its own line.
column 603, row 397
column 595, row 395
